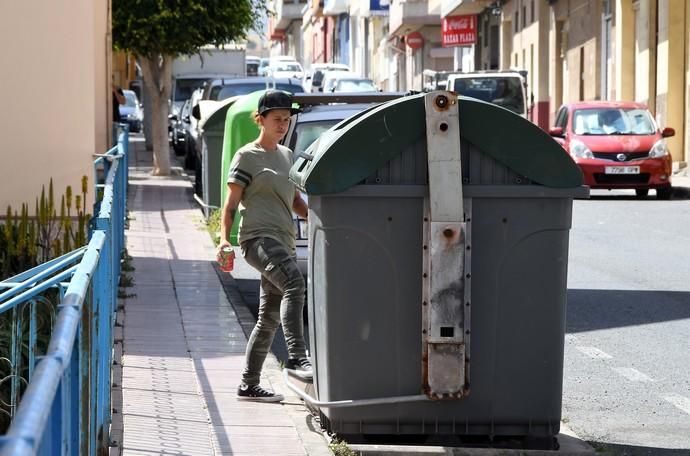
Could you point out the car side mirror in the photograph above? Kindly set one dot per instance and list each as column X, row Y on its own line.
column 196, row 112
column 172, row 117
column 556, row 131
column 668, row 132
column 186, row 119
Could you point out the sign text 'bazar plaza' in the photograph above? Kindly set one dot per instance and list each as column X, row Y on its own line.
column 458, row 30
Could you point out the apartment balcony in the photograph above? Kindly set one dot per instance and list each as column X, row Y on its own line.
column 464, row 7
column 335, row 7
column 287, row 11
column 408, row 16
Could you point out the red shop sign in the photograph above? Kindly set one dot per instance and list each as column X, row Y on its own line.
column 458, row 30
column 414, row 40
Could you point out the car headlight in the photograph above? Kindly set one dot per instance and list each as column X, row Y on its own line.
column 578, row 149
column 659, row 149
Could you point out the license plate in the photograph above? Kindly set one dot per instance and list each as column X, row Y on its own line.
column 622, row 170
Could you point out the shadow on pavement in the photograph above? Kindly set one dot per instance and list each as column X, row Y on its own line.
column 679, row 194
column 246, row 307
column 611, row 449
column 601, row 309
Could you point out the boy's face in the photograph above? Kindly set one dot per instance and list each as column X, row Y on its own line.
column 275, row 122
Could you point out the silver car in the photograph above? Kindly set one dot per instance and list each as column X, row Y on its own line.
column 319, row 113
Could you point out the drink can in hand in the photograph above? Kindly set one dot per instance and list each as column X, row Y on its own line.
column 226, row 259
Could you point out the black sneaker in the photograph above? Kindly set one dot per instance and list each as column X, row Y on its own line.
column 257, row 394
column 300, row 367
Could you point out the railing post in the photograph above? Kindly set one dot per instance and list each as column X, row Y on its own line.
column 105, row 289
column 86, row 374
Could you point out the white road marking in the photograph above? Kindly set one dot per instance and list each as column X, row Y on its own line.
column 679, row 401
column 632, row 374
column 593, row 352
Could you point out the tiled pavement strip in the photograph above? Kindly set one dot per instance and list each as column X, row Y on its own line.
column 182, row 345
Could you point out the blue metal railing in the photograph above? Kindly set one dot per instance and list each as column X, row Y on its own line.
column 65, row 408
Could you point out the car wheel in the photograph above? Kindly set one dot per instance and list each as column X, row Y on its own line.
column 189, row 157
column 198, row 182
column 641, row 192
column 664, row 193
column 178, row 147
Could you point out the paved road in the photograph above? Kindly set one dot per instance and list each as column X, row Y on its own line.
column 627, row 357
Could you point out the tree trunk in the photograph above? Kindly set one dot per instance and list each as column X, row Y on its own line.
column 157, row 73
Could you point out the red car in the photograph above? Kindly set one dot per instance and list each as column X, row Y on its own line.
column 617, row 145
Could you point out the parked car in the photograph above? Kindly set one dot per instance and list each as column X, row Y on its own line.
column 331, row 78
column 314, row 77
column 229, row 90
column 353, row 84
column 252, row 64
column 178, row 127
column 183, row 86
column 189, row 131
column 507, row 88
column 263, row 64
column 285, row 69
column 319, row 72
column 131, row 112
column 617, row 145
column 319, row 113
column 220, row 89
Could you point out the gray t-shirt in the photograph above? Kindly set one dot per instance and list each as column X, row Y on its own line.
column 266, row 205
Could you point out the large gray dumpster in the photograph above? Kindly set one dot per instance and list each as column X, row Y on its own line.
column 437, row 221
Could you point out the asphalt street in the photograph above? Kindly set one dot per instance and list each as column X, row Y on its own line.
column 627, row 363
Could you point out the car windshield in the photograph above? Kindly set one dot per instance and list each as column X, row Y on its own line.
column 185, row 87
column 252, row 68
column 130, row 99
column 505, row 92
column 613, row 121
column 286, row 66
column 227, row 91
column 307, row 132
column 355, row 85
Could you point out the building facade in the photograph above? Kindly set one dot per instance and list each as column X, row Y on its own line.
column 58, row 112
column 285, row 27
column 571, row 49
column 415, row 25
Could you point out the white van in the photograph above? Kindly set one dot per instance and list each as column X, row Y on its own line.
column 503, row 88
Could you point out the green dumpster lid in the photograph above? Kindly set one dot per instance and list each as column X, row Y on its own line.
column 356, row 147
column 215, row 114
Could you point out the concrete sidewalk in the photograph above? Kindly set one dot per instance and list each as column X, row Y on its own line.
column 182, row 345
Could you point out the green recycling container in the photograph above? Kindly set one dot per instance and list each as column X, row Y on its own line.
column 212, row 130
column 369, row 182
column 240, row 129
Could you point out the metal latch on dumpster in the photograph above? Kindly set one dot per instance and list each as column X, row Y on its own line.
column 445, row 306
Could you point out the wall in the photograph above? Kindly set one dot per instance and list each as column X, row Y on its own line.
column 686, row 144
column 529, row 50
column 57, row 113
column 671, row 84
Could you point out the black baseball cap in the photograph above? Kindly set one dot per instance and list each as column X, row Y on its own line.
column 276, row 99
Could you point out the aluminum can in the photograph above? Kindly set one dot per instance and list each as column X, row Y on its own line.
column 226, row 259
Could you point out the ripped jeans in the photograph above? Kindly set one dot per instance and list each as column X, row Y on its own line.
column 281, row 301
